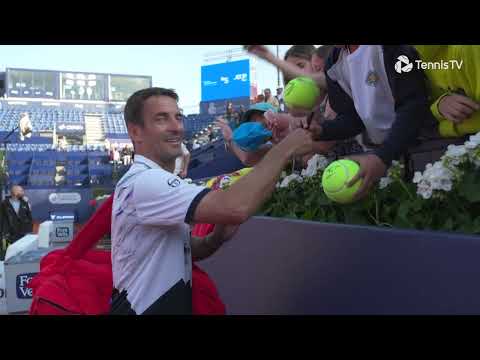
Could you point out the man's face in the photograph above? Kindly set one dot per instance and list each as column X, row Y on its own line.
column 318, row 63
column 161, row 136
column 279, row 91
column 267, row 93
column 18, row 192
column 301, row 63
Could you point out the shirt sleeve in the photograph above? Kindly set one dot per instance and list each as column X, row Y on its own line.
column 163, row 199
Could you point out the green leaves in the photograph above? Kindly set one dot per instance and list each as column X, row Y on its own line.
column 470, row 187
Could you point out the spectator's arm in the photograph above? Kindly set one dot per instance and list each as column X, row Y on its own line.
column 287, row 68
column 411, row 105
column 347, row 122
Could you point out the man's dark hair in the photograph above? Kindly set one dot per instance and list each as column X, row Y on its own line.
column 301, row 51
column 133, row 112
column 323, row 51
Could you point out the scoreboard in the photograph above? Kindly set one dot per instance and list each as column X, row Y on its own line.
column 83, row 86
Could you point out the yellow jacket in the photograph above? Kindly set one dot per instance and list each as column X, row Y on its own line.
column 464, row 80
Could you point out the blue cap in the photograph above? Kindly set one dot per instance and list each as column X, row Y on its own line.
column 258, row 107
column 250, row 136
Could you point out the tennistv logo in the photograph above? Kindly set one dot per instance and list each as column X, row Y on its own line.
column 403, row 64
column 23, row 291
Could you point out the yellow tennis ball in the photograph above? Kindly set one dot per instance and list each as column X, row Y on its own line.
column 336, row 177
column 301, row 92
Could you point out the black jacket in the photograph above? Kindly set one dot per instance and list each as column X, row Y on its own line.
column 13, row 226
column 410, row 92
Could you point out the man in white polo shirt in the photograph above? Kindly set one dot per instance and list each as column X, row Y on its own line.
column 153, row 208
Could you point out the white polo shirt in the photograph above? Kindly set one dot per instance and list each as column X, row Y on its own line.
column 151, row 257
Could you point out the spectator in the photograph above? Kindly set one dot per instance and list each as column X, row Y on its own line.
column 153, row 276
column 272, row 100
column 455, row 91
column 319, row 57
column 195, row 145
column 182, row 162
column 255, row 113
column 62, row 143
column 16, row 215
column 107, row 145
column 241, row 114
column 126, row 155
column 212, row 110
column 229, row 115
column 25, row 126
column 279, row 98
column 260, row 99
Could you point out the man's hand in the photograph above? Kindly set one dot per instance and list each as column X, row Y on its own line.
column 223, row 233
column 261, row 51
column 457, row 107
column 300, row 141
column 225, row 128
column 372, row 168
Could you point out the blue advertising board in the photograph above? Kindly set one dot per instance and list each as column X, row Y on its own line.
column 226, row 81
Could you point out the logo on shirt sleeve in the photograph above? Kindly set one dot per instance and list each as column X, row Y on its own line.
column 173, row 182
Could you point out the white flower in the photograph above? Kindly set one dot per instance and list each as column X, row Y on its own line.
column 292, row 177
column 417, row 177
column 424, row 191
column 475, row 138
column 316, row 162
column 384, row 182
column 470, row 145
column 456, row 150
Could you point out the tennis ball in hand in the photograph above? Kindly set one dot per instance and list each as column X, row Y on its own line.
column 335, row 179
column 301, row 92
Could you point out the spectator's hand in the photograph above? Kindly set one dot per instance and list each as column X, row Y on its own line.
column 183, row 174
column 261, row 51
column 457, row 107
column 329, row 113
column 372, row 168
column 279, row 124
column 300, row 140
column 225, row 128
